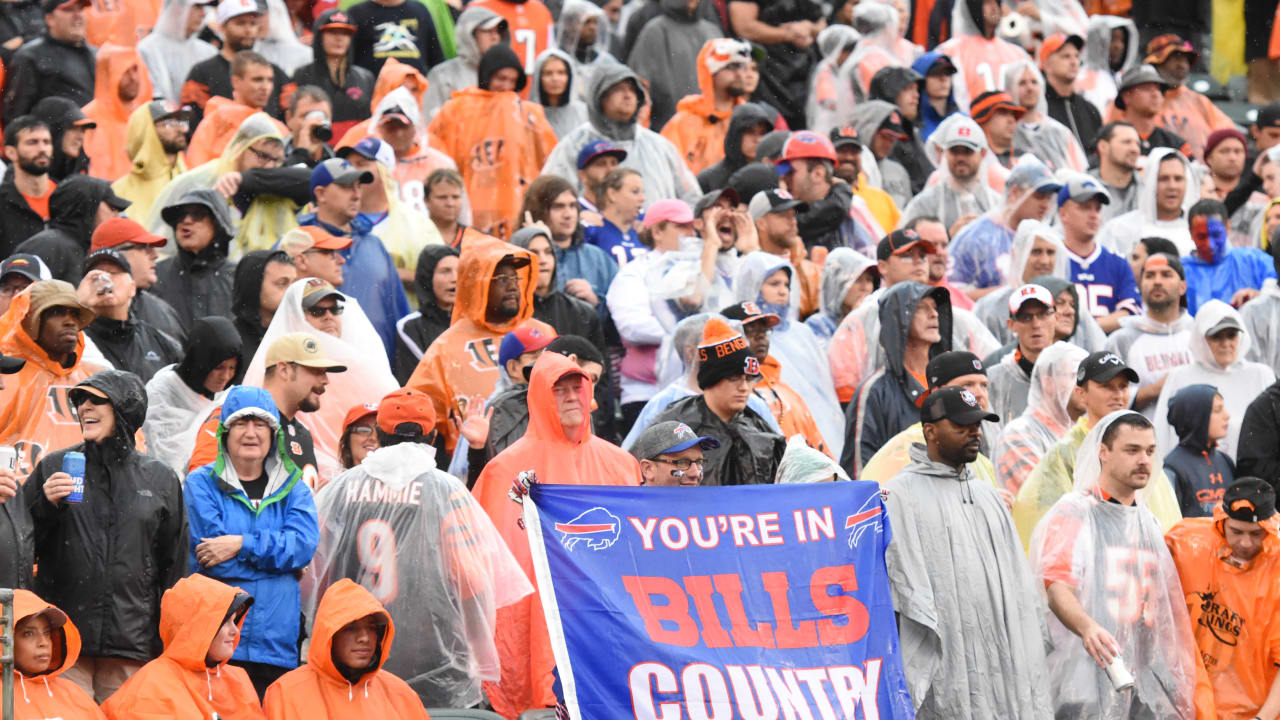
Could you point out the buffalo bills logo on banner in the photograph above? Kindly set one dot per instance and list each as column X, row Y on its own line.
column 597, row 527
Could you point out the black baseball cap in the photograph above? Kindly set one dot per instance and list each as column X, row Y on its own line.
column 749, row 312
column 1268, row 116
column 845, row 135
column 24, row 264
column 955, row 404
column 893, row 124
column 1102, row 366
column 106, row 255
column 950, row 365
column 1249, row 499
column 900, row 241
column 713, row 197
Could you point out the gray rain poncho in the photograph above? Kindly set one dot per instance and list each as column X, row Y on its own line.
column 416, row 538
column 945, row 197
column 585, row 60
column 1097, row 75
column 1121, row 233
column 1261, row 317
column 970, row 619
column 1114, row 558
column 867, row 117
column 793, row 344
column 1027, row 437
column 877, row 23
column 569, row 112
column 1049, row 140
column 841, row 270
column 828, row 93
column 659, row 163
column 460, row 71
column 993, row 308
column 169, row 54
column 802, row 464
column 281, row 45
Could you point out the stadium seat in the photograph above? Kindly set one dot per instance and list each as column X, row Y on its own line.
column 1208, row 86
column 544, row 714
column 460, row 714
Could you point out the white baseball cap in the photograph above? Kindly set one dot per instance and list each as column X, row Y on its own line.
column 963, row 132
column 228, row 9
column 1027, row 293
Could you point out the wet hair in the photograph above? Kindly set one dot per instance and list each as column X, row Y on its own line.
column 307, row 92
column 20, row 124
column 576, row 345
column 1129, row 419
column 612, row 181
column 246, row 58
column 443, row 175
column 1207, row 207
column 542, row 192
column 1159, row 245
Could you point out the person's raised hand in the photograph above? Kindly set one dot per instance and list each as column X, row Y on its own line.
column 745, row 227
column 581, row 289
column 475, row 423
column 591, row 219
column 57, row 487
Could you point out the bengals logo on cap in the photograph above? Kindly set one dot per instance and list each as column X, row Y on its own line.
column 783, row 194
column 751, row 366
column 751, row 308
column 339, row 17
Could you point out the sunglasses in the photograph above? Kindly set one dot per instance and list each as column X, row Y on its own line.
column 320, row 310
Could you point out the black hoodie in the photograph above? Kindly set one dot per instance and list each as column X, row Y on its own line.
column 106, row 561
column 133, row 345
column 745, row 116
column 59, row 113
column 1198, row 470
column 73, row 209
column 496, row 58
column 885, row 85
column 212, row 340
column 416, row 331
column 246, row 292
column 199, row 284
column 46, row 67
column 351, row 98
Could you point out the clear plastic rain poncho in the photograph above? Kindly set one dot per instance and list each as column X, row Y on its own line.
column 792, row 343
column 1037, row 133
column 168, row 53
column 1097, row 79
column 993, row 308
column 1238, row 383
column 281, row 45
column 945, row 197
column 568, row 32
column 416, row 538
column 877, row 23
column 841, row 270
column 802, row 464
column 1122, row 232
column 828, row 93
column 1114, row 558
column 367, row 379
column 1062, row 16
column 1029, row 436
column 174, row 414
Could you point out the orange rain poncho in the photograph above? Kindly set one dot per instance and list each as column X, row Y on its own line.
column 222, row 118
column 35, row 415
column 698, row 129
column 1233, row 611
column 393, row 74
column 524, row 646
column 179, row 685
column 149, row 169
column 1192, row 116
column 50, row 695
column 120, row 22
column 462, row 364
column 318, row 691
column 500, row 144
column 105, row 145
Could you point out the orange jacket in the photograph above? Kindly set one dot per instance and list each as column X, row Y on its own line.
column 531, row 27
column 50, row 695
column 500, row 144
column 698, row 129
column 179, row 685
column 120, row 22
column 318, row 691
column 788, row 408
column 222, row 119
column 105, row 145
column 392, row 75
column 1233, row 614
column 462, row 364
column 524, row 647
column 35, row 415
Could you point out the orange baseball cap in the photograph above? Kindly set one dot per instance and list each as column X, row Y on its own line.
column 406, row 407
column 311, row 237
column 358, row 413
column 1054, row 43
column 118, row 231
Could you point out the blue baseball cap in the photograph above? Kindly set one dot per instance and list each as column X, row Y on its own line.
column 520, row 341
column 337, row 170
column 1029, row 172
column 1083, row 188
column 598, row 148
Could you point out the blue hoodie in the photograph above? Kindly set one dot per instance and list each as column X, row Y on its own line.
column 1200, row 473
column 929, row 118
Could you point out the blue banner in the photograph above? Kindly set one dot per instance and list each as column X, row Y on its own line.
column 766, row 602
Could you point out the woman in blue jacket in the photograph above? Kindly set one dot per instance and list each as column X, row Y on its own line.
column 253, row 525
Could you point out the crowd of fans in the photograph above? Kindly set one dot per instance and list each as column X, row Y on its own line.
column 311, row 290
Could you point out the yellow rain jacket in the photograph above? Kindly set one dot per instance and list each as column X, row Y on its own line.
column 151, row 170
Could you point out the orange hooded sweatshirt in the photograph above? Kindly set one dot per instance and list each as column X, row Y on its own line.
column 222, row 119
column 462, row 364
column 35, row 415
column 1233, row 611
column 120, row 22
column 500, row 144
column 524, row 647
column 105, row 145
column 318, row 691
column 179, row 685
column 50, row 695
column 392, row 75
column 698, row 129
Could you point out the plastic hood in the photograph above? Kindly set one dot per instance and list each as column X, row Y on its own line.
column 1052, row 380
column 1210, row 314
column 1150, row 175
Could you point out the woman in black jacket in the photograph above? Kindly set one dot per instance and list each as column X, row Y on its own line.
column 435, row 282
column 349, row 86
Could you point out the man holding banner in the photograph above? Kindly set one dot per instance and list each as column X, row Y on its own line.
column 969, row 614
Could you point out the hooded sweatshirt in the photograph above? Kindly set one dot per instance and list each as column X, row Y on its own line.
column 149, row 170
column 910, row 153
column 745, row 117
column 867, row 118
column 60, row 113
column 1098, row 77
column 460, row 71
column 975, row 53
column 48, row 694
column 827, row 94
column 570, row 110
column 462, row 362
column 1199, row 472
column 668, row 46
column 106, row 574
column 106, row 144
column 416, row 331
column 841, row 270
column 498, row 141
column 697, row 128
column 180, row 684
column 523, row 643
column 929, row 117
column 349, row 93
column 889, row 401
column 570, row 19
column 168, row 53
column 198, row 284
column 1122, row 232
column 658, row 161
column 320, row 689
column 1152, row 348
column 1238, row 383
column 73, row 207
column 45, row 68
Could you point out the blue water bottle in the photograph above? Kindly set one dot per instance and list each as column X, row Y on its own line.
column 73, row 465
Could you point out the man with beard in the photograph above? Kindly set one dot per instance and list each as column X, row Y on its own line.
column 59, row 64
column 698, row 127
column 1119, row 148
column 240, row 21
column 1159, row 339
column 154, row 140
column 24, row 194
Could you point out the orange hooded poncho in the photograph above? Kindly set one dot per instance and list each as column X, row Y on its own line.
column 1232, row 612
column 222, row 120
column 120, row 22
column 179, row 685
column 35, row 415
column 462, row 364
column 524, row 647
column 392, row 75
column 318, row 691
column 105, row 144
column 50, row 695
column 698, row 129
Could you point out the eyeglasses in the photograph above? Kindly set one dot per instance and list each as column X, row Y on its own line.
column 361, row 430
column 1026, row 317
column 320, row 251
column 266, row 157
column 174, row 123
column 506, row 280
column 682, row 464
column 319, row 310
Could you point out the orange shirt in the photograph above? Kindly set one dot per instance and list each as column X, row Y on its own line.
column 530, row 24
column 41, row 203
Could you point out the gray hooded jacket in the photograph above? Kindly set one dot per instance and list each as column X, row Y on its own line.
column 867, row 118
column 461, row 71
column 569, row 111
column 666, row 55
